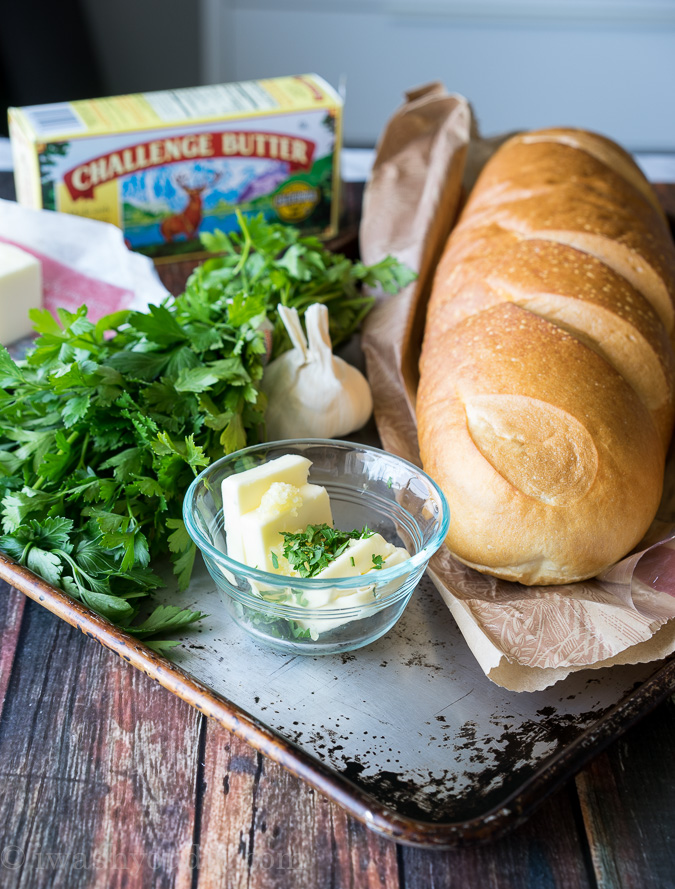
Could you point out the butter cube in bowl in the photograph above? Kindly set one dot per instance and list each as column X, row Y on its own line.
column 316, row 545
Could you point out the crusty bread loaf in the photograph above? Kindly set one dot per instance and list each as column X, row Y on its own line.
column 547, row 378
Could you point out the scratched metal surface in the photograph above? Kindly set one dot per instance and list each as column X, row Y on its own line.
column 411, row 719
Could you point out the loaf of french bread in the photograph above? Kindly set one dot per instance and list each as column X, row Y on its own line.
column 547, row 377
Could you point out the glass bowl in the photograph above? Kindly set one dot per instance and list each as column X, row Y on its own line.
column 366, row 486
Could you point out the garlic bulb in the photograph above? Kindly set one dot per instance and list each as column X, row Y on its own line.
column 311, row 392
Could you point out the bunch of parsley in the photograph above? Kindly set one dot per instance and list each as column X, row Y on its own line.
column 103, row 425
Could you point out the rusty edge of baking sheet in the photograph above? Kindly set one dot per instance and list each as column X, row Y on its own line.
column 512, row 811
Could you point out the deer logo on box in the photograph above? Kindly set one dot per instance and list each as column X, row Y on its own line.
column 187, row 222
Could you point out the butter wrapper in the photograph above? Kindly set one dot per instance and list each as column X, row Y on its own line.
column 83, row 262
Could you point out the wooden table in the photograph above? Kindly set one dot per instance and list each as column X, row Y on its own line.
column 108, row 780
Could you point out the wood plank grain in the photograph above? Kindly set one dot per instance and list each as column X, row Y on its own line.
column 546, row 853
column 628, row 803
column 12, row 604
column 97, row 767
column 261, row 826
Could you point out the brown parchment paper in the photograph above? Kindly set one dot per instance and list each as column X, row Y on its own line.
column 525, row 638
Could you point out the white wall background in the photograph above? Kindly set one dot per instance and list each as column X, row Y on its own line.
column 603, row 64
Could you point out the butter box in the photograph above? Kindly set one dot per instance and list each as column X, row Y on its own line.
column 167, row 166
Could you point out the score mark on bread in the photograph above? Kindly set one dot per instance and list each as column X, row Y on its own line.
column 542, row 451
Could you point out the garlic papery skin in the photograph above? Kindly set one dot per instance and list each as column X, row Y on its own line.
column 311, row 392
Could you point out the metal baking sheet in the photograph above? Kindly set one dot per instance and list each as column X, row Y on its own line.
column 407, row 734
column 411, row 719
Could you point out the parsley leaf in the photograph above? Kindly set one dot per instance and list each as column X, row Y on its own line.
column 164, row 619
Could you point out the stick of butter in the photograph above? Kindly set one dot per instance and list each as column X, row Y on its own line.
column 252, row 531
column 20, row 291
column 283, row 508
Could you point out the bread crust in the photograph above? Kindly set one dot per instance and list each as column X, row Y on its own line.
column 547, row 377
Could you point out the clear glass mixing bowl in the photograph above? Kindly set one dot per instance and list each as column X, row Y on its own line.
column 366, row 486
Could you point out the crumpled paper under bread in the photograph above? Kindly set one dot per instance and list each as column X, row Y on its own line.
column 525, row 638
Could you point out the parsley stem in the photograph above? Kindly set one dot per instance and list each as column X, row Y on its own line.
column 246, row 247
column 80, row 464
column 75, row 569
